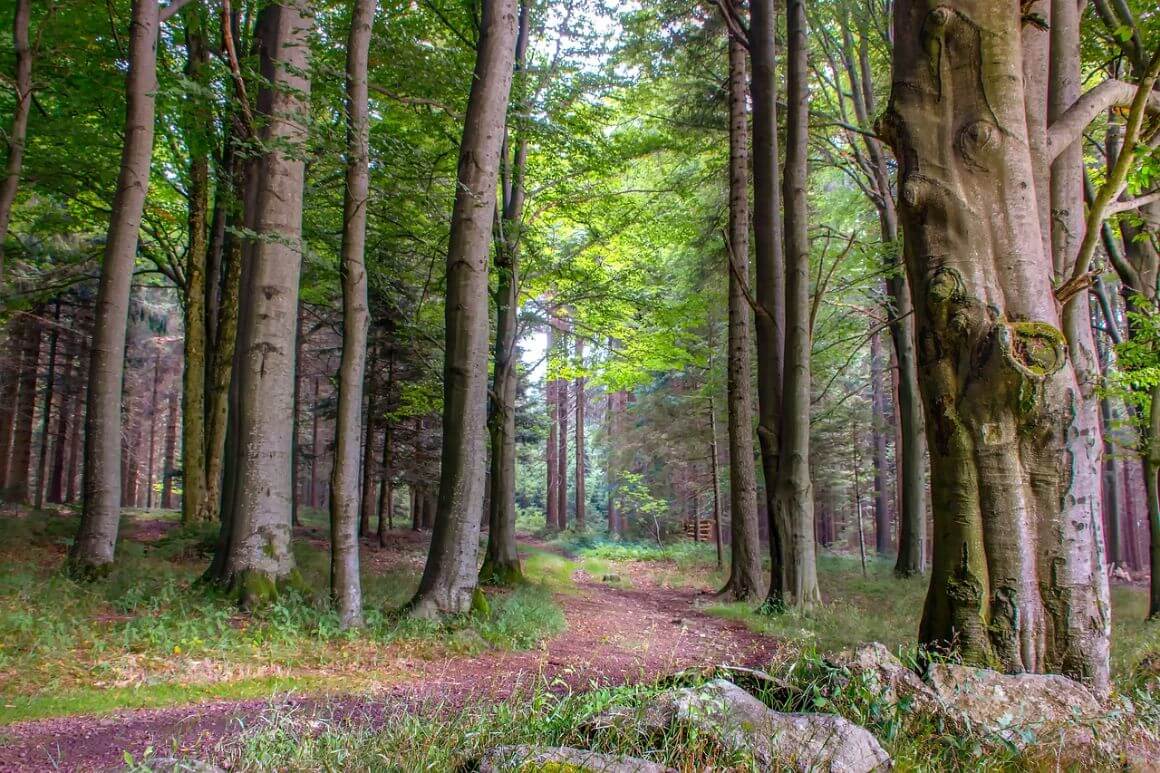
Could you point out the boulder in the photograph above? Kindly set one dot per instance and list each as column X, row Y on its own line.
column 1018, row 707
column 525, row 759
column 883, row 674
column 742, row 724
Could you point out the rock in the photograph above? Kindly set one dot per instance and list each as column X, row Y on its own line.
column 883, row 674
column 611, row 578
column 1020, row 708
column 552, row 758
column 1121, row 574
column 742, row 724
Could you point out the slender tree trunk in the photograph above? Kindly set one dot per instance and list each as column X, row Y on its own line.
column 195, row 374
column 610, row 465
column 21, row 453
column 370, row 487
column 580, row 463
column 878, row 430
column 1017, row 576
column 770, row 269
column 1152, row 490
column 386, row 489
column 92, row 551
column 65, row 423
column 154, row 409
column 260, row 556
column 795, row 496
column 314, row 441
column 296, row 442
column 745, row 580
column 9, row 390
column 562, row 409
column 553, row 399
column 19, row 128
column 416, row 503
column 76, row 441
column 449, row 578
column 345, row 588
column 46, row 410
column 713, row 456
column 170, row 453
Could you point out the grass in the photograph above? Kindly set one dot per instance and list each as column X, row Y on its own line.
column 147, row 636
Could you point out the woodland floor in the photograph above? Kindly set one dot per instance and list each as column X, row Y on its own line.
column 625, row 628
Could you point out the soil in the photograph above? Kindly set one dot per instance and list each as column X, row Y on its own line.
column 615, row 635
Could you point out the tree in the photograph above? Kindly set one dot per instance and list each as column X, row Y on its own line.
column 1017, row 578
column 19, row 128
column 745, row 581
column 449, row 577
column 794, row 489
column 258, row 557
column 345, row 587
column 92, row 552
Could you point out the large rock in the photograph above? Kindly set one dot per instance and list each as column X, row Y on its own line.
column 883, row 674
column 1022, row 707
column 526, row 759
column 744, row 725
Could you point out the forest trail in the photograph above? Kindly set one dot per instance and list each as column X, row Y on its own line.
column 615, row 635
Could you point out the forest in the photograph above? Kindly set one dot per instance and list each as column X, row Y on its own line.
column 580, row 385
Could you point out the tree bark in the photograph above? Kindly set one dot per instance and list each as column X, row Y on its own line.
column 713, row 463
column 21, row 453
column 1017, row 576
column 386, row 489
column 65, row 422
column 260, row 558
column 92, row 551
column 369, row 489
column 154, row 410
column 8, row 393
column 46, row 410
column 449, row 577
column 552, row 485
column 170, row 453
column 580, row 462
column 745, row 580
column 769, row 268
column 795, row 496
column 1152, row 490
column 878, row 424
column 345, row 588
column 19, row 128
column 562, row 409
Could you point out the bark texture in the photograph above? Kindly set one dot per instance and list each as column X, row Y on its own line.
column 92, row 551
column 745, row 580
column 345, row 587
column 259, row 498
column 449, row 578
column 18, row 131
column 1017, row 578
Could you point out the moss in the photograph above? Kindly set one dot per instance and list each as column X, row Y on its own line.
column 84, row 571
column 1038, row 348
column 255, row 589
column 502, row 575
column 479, row 603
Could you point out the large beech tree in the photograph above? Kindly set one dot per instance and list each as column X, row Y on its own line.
column 1018, row 578
column 449, row 577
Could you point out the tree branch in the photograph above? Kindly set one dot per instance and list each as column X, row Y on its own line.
column 1116, row 207
column 174, row 6
column 1069, row 128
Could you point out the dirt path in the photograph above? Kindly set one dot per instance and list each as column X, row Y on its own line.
column 615, row 635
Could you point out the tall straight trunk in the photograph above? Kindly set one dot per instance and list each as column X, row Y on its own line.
column 46, row 409
column 92, row 551
column 21, row 453
column 194, row 375
column 65, row 422
column 154, row 410
column 745, row 580
column 580, row 465
column 878, row 426
column 313, row 498
column 769, row 268
column 169, row 455
column 713, row 463
column 1152, row 493
column 260, row 558
column 296, row 437
column 795, row 495
column 501, row 563
column 552, row 396
column 369, row 489
column 386, row 489
column 610, row 464
column 73, row 465
column 562, row 449
column 344, row 478
column 9, row 389
column 449, row 577
column 18, row 131
column 416, row 504
column 1017, row 577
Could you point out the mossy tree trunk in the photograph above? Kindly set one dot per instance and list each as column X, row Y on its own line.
column 259, row 500
column 1017, row 578
column 449, row 578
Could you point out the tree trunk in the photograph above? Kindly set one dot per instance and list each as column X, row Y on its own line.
column 345, row 588
column 315, row 454
column 65, row 422
column 562, row 409
column 369, row 490
column 92, row 551
column 46, row 410
column 745, row 580
column 8, row 393
column 713, row 455
column 795, row 496
column 878, row 424
column 195, row 374
column 1017, row 577
column 552, row 493
column 386, row 490
column 610, row 464
column 154, row 409
column 19, row 130
column 580, row 465
column 295, row 440
column 170, row 453
column 21, row 452
column 449, row 578
column 76, row 441
column 260, row 557
column 769, row 268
